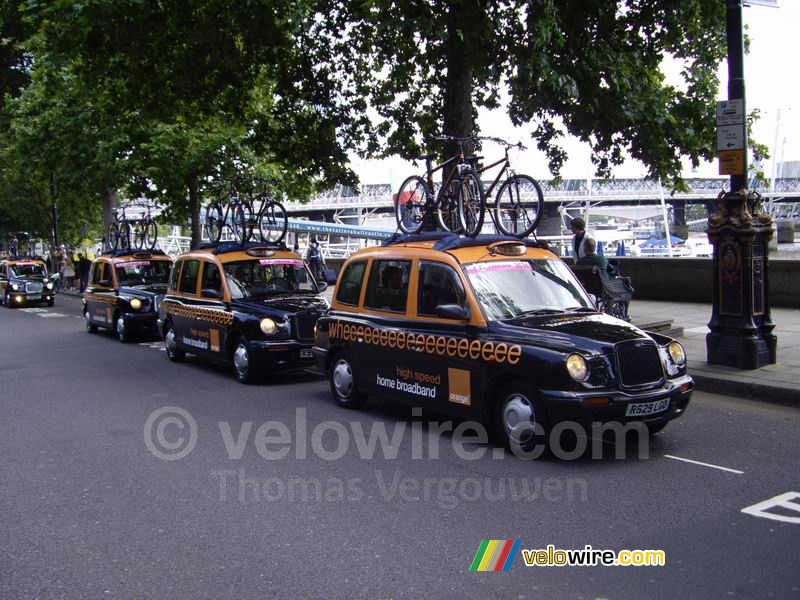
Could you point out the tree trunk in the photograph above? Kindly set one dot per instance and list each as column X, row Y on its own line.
column 108, row 198
column 463, row 40
column 194, row 208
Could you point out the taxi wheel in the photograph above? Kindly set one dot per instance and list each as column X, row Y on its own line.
column 243, row 364
column 651, row 429
column 122, row 328
column 517, row 405
column 87, row 321
column 174, row 353
column 51, row 302
column 7, row 301
column 343, row 383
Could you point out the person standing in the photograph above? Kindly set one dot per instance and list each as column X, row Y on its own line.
column 84, row 264
column 315, row 260
column 579, row 238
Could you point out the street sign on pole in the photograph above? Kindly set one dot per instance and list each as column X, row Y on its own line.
column 730, row 137
column 730, row 112
column 731, row 162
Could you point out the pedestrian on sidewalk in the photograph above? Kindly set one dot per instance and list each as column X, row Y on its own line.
column 315, row 260
column 84, row 265
column 579, row 238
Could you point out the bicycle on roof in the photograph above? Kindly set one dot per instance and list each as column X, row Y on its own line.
column 519, row 203
column 229, row 213
column 268, row 215
column 139, row 233
column 459, row 206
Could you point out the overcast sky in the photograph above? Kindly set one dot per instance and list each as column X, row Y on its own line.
column 772, row 82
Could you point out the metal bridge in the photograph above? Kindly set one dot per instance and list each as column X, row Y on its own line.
column 378, row 197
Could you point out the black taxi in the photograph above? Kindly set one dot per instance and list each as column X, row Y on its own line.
column 123, row 292
column 252, row 305
column 24, row 281
column 492, row 329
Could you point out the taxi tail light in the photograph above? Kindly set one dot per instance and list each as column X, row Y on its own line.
column 599, row 401
column 686, row 387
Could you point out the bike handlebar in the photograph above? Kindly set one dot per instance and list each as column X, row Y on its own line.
column 502, row 142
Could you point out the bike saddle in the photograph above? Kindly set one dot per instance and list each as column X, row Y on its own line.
column 430, row 156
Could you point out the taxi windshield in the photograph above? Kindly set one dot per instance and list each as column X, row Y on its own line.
column 143, row 272
column 28, row 269
column 511, row 289
column 268, row 276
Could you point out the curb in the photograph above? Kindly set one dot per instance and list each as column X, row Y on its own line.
column 749, row 390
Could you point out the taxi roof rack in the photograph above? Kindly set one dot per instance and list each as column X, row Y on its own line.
column 451, row 241
column 225, row 247
column 131, row 252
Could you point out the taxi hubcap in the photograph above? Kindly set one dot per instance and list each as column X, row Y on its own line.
column 121, row 327
column 169, row 341
column 87, row 319
column 518, row 410
column 343, row 378
column 240, row 358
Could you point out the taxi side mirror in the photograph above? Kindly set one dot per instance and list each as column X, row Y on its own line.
column 322, row 286
column 452, row 311
column 211, row 293
column 593, row 300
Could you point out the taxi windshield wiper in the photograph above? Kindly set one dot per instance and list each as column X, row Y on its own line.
column 579, row 309
column 536, row 311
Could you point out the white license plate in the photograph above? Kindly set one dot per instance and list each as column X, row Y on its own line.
column 306, row 353
column 34, row 296
column 647, row 408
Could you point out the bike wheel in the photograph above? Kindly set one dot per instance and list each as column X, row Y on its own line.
column 214, row 221
column 519, row 206
column 124, row 238
column 150, row 234
column 137, row 233
column 447, row 209
column 272, row 222
column 410, row 205
column 242, row 222
column 112, row 236
column 471, row 204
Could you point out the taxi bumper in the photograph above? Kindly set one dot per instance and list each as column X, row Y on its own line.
column 282, row 354
column 590, row 407
column 142, row 321
column 22, row 298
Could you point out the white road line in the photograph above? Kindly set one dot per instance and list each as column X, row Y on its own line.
column 702, row 464
column 785, row 501
column 51, row 315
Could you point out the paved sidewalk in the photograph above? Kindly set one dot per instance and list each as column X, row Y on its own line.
column 778, row 383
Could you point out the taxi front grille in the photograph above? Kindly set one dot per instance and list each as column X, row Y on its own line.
column 304, row 325
column 639, row 365
column 34, row 287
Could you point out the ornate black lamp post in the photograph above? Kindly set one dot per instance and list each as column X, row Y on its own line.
column 741, row 327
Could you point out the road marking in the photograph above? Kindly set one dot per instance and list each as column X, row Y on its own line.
column 702, row 464
column 48, row 315
column 789, row 501
column 33, row 309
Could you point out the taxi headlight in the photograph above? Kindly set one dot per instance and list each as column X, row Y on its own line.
column 577, row 367
column 136, row 304
column 268, row 326
column 49, row 285
column 676, row 353
column 15, row 287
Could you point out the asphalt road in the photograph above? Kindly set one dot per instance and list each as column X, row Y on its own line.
column 87, row 510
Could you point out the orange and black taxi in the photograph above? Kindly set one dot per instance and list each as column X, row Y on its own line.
column 493, row 329
column 24, row 281
column 252, row 305
column 123, row 292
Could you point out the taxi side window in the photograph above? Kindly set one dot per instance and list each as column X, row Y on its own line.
column 211, row 278
column 97, row 272
column 188, row 284
column 387, row 288
column 350, row 285
column 173, row 276
column 438, row 284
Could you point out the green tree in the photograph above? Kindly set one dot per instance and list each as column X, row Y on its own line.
column 591, row 68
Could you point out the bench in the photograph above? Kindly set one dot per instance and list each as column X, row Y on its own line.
column 614, row 294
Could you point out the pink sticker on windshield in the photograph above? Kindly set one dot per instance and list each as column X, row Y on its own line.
column 281, row 261
column 139, row 263
column 498, row 266
column 25, row 263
